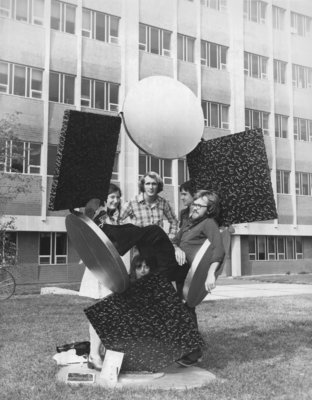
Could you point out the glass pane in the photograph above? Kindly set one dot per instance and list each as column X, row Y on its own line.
column 280, row 245
column 34, row 156
column 4, row 67
column 253, row 10
column 190, row 50
column 261, row 248
column 204, row 107
column 86, row 22
column 290, row 247
column 247, row 118
column 61, row 243
column 181, row 169
column 45, row 244
column 167, row 168
column 278, row 182
column 277, row 125
column 304, row 184
column 299, row 248
column 114, row 24
column 223, row 54
column 214, row 115
column 100, row 26
column 70, row 19
column 271, row 244
column 284, row 126
column 246, row 68
column 255, row 66
column 225, row 114
column 155, row 165
column 85, row 88
column 38, row 11
column 113, row 93
column 36, row 79
column 69, row 89
column 99, row 95
column 286, row 182
column 56, row 15
column 17, row 157
column 265, row 121
column 166, row 40
column 256, row 119
column 142, row 164
column 303, row 129
column 252, row 244
column 301, row 80
column 263, row 66
column 54, row 87
column 283, row 72
column 275, row 68
column 203, row 52
column 21, row 10
column 19, row 80
column 180, row 47
column 154, row 41
column 52, row 150
column 213, row 55
column 142, row 34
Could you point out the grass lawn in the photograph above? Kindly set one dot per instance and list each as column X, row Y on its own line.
column 305, row 279
column 258, row 348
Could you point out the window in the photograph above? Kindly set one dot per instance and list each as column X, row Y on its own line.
column 21, row 157
column 300, row 24
column 52, row 248
column 8, row 247
column 303, row 183
column 30, row 11
column 154, row 40
column 255, row 66
column 257, row 119
column 183, row 172
column 219, row 5
column 302, row 77
column 63, row 17
column 52, row 152
column 265, row 248
column 186, row 48
column 282, row 181
column 99, row 26
column 61, row 88
column 279, row 71
column 213, row 55
column 278, row 15
column 163, row 167
column 216, row 115
column 281, row 126
column 99, row 94
column 115, row 173
column 20, row 80
column 255, row 10
column 303, row 129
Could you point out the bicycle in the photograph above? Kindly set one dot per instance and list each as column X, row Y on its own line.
column 7, row 283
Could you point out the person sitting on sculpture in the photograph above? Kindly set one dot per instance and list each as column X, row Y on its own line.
column 174, row 260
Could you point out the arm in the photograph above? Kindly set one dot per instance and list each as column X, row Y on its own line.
column 172, row 219
column 126, row 212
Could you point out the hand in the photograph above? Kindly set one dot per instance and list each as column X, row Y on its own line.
column 91, row 207
column 210, row 282
column 180, row 256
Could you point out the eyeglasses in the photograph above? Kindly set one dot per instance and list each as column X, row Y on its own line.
column 196, row 205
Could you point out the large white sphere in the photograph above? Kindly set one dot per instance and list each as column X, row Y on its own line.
column 163, row 117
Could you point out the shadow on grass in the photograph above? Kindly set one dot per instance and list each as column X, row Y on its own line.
column 249, row 343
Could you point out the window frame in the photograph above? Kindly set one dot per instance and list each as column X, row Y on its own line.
column 108, row 105
column 149, row 160
column 187, row 54
column 278, row 120
column 261, row 7
column 53, row 257
column 282, row 182
column 146, row 46
column 284, row 248
column 251, row 112
column 206, row 60
column 206, row 107
column 249, row 66
column 62, row 87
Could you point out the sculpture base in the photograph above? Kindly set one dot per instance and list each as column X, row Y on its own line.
column 172, row 377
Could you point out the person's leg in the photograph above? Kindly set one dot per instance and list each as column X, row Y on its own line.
column 95, row 360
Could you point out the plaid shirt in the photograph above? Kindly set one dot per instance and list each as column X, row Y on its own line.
column 142, row 214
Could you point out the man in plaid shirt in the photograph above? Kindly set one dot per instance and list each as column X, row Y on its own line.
column 148, row 208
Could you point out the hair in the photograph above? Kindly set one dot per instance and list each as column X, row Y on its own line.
column 137, row 262
column 152, row 175
column 113, row 189
column 213, row 206
column 188, row 186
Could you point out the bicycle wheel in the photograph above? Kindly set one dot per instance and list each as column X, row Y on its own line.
column 7, row 284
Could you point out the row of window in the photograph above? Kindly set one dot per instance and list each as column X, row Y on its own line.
column 303, row 182
column 100, row 26
column 275, row 248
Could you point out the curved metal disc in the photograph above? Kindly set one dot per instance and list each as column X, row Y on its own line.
column 194, row 290
column 163, row 117
column 97, row 252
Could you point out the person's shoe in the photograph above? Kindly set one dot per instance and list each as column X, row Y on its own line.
column 95, row 363
column 186, row 362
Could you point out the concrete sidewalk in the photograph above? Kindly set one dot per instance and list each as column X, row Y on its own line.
column 251, row 289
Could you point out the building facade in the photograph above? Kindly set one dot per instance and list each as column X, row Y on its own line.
column 249, row 62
